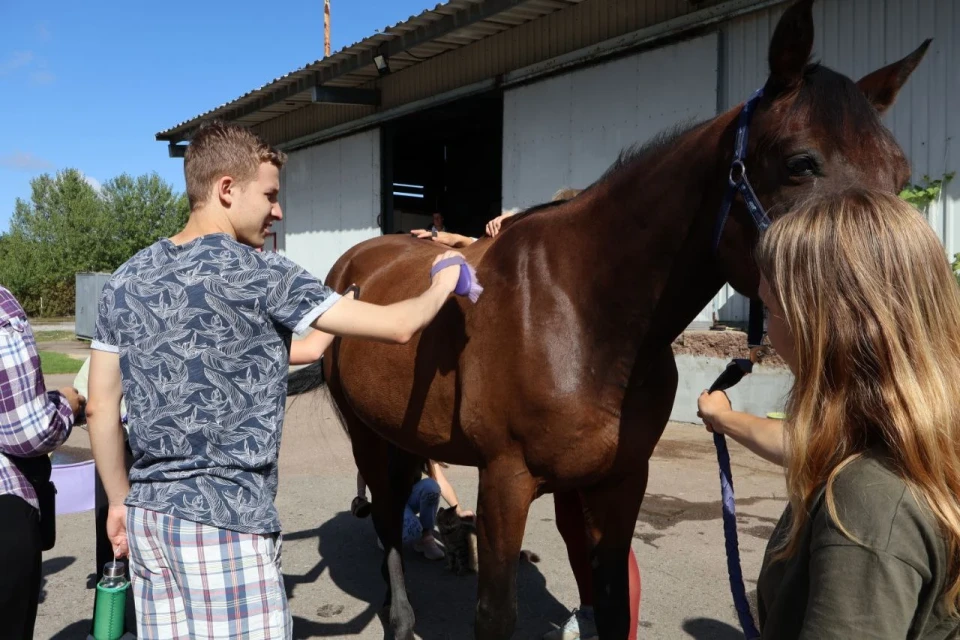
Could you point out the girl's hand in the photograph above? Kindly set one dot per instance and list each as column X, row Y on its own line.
column 442, row 237
column 493, row 227
column 710, row 407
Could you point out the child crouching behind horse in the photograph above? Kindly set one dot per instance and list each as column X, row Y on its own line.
column 420, row 513
column 865, row 310
column 568, row 508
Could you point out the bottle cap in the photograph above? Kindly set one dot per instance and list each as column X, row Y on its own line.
column 114, row 569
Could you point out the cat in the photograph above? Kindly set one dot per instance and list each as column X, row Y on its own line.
column 459, row 536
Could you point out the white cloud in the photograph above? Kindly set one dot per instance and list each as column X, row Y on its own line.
column 43, row 32
column 93, row 182
column 24, row 161
column 42, row 77
column 26, row 62
column 14, row 61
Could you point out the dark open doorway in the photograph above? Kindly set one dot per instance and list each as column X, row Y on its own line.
column 448, row 160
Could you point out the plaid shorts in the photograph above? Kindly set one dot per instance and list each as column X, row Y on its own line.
column 191, row 580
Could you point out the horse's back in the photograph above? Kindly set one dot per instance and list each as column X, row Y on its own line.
column 391, row 268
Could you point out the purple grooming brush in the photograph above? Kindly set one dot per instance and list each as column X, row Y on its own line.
column 467, row 284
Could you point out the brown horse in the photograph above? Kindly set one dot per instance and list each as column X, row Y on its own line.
column 562, row 377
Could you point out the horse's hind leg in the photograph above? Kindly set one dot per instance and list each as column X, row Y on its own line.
column 611, row 520
column 387, row 472
column 506, row 491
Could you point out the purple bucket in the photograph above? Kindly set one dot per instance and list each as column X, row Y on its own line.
column 75, row 487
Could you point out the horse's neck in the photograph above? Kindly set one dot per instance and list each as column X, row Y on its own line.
column 651, row 229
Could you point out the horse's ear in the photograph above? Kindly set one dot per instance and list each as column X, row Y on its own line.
column 882, row 86
column 791, row 46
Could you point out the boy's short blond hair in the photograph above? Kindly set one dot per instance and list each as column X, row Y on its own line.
column 220, row 149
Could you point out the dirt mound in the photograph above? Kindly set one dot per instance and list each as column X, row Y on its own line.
column 727, row 344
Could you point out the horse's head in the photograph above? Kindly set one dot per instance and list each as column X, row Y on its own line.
column 814, row 130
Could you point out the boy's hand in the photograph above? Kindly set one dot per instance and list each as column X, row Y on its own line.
column 447, row 278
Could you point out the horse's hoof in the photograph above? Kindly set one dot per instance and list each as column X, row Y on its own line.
column 360, row 507
column 401, row 619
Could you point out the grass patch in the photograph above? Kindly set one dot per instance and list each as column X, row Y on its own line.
column 52, row 363
column 54, row 336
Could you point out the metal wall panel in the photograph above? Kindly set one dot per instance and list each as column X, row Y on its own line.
column 855, row 37
column 330, row 195
column 88, row 288
column 567, row 130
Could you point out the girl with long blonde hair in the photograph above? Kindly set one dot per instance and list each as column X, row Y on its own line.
column 865, row 309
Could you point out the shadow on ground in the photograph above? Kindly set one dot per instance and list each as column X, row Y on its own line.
column 443, row 602
column 79, row 630
column 708, row 629
column 50, row 567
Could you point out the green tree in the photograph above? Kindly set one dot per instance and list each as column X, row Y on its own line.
column 68, row 226
column 140, row 211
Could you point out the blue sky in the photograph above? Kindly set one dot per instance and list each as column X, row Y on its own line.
column 88, row 84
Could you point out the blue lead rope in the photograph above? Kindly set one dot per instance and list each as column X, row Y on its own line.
column 732, row 543
column 731, row 376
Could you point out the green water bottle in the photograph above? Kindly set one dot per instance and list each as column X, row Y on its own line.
column 111, row 602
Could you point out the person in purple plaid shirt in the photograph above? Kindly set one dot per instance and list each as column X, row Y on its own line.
column 33, row 422
column 194, row 332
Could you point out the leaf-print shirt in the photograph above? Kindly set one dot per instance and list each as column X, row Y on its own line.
column 203, row 332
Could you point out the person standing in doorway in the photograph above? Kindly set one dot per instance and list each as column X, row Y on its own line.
column 438, row 223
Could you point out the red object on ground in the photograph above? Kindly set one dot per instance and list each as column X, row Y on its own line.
column 571, row 525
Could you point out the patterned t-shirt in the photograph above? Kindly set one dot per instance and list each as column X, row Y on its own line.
column 203, row 331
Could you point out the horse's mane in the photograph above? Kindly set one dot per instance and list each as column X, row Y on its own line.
column 534, row 209
column 628, row 156
column 833, row 97
column 640, row 151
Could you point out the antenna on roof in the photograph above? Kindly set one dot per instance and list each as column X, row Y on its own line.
column 326, row 28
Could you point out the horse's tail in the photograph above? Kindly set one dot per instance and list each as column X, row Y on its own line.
column 306, row 379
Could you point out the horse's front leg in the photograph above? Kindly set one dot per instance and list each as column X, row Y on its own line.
column 611, row 514
column 506, row 491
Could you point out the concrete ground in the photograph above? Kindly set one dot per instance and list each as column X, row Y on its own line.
column 332, row 564
column 42, row 324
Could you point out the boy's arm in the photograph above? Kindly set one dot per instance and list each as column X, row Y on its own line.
column 313, row 346
column 103, row 420
column 394, row 323
column 310, row 348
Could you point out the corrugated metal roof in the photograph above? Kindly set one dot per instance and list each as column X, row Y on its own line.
column 347, row 67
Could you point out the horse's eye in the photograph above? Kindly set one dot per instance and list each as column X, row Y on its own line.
column 802, row 166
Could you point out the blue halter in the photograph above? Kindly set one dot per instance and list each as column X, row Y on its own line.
column 738, row 183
